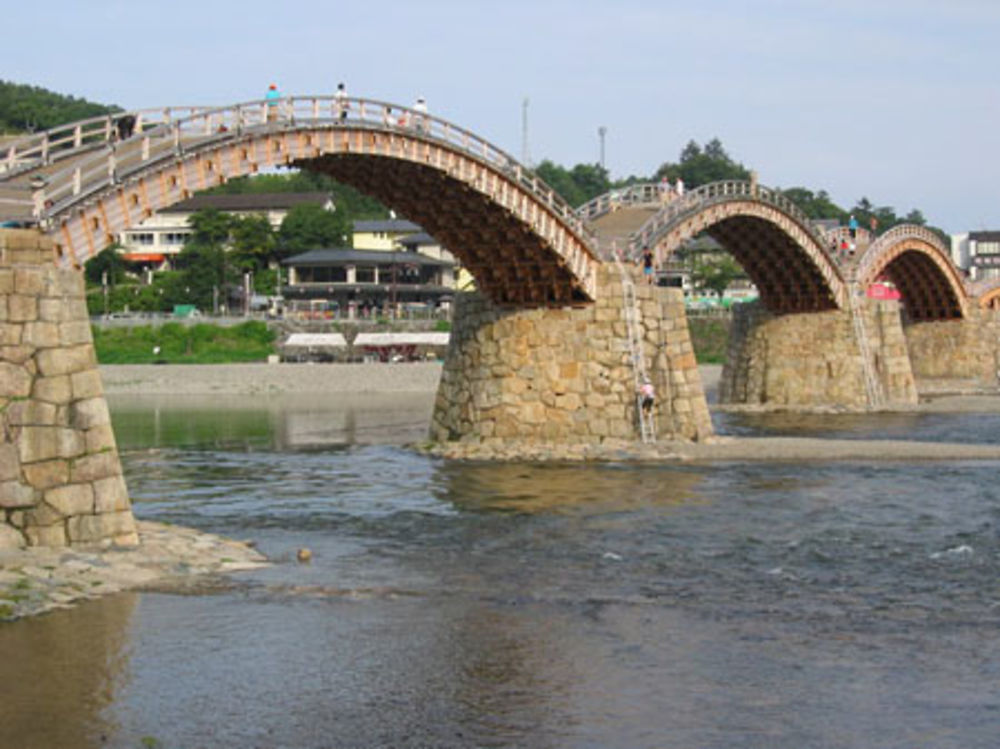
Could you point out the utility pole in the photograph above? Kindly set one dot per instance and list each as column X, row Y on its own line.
column 601, row 132
column 525, row 151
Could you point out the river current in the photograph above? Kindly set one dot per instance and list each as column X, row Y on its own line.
column 464, row 604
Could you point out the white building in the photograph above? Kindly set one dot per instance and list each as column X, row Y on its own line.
column 161, row 237
column 978, row 253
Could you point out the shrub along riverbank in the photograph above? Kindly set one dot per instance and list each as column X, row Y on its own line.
column 205, row 343
column 173, row 343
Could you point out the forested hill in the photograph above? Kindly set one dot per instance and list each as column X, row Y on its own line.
column 31, row 108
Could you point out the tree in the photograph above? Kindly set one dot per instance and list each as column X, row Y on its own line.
column 699, row 166
column 814, row 205
column 253, row 241
column 310, row 227
column 715, row 272
column 108, row 261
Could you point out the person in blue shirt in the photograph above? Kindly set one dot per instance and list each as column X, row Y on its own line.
column 852, row 226
column 272, row 98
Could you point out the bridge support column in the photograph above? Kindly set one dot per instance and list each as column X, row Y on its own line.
column 60, row 478
column 813, row 360
column 563, row 376
column 955, row 349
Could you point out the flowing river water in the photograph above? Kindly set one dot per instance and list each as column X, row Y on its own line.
column 463, row 604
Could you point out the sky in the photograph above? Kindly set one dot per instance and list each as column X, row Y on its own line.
column 894, row 100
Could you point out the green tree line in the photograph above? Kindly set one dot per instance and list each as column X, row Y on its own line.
column 26, row 108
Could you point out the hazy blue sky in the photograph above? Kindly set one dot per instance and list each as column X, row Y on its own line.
column 895, row 100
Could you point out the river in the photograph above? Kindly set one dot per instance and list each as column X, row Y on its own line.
column 463, row 604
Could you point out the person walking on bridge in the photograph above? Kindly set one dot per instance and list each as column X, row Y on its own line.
column 420, row 118
column 340, row 99
column 272, row 97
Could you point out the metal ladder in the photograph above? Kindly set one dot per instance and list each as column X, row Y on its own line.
column 647, row 422
column 872, row 385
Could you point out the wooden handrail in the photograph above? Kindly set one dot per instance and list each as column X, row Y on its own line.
column 165, row 132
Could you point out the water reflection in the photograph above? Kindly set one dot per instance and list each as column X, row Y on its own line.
column 283, row 422
column 61, row 673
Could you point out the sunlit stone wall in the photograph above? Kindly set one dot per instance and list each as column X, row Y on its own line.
column 956, row 349
column 564, row 376
column 60, row 478
column 813, row 360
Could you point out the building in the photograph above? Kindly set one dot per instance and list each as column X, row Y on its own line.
column 977, row 253
column 160, row 238
column 345, row 282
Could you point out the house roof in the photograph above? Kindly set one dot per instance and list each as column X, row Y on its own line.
column 418, row 240
column 394, row 225
column 261, row 201
column 984, row 236
column 348, row 256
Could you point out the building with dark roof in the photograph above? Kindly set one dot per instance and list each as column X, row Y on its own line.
column 977, row 253
column 346, row 282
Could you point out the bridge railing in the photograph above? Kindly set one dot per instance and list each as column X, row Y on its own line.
column 644, row 193
column 171, row 135
column 862, row 268
column 720, row 192
column 47, row 147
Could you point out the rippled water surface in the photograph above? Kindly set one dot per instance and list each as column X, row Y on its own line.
column 458, row 604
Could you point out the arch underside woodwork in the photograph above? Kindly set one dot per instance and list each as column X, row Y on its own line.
column 510, row 261
column 786, row 278
column 511, row 240
column 927, row 292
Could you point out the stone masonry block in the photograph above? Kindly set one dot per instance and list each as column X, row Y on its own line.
column 69, row 283
column 10, row 463
column 61, row 361
column 111, row 495
column 90, row 413
column 53, row 535
column 72, row 499
column 6, row 281
column 15, row 381
column 100, row 438
column 47, row 474
column 11, row 538
column 75, row 333
column 31, row 413
column 57, row 390
column 38, row 443
column 41, row 334
column 51, row 309
column 10, row 334
column 94, row 467
column 16, row 494
column 95, row 528
column 28, row 281
column 21, row 308
column 86, row 384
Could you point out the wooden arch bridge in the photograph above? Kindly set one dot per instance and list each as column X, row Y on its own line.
column 85, row 182
column 794, row 264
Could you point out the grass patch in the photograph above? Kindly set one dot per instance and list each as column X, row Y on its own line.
column 173, row 343
column 709, row 338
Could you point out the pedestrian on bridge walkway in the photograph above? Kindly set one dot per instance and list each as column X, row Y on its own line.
column 271, row 98
column 340, row 99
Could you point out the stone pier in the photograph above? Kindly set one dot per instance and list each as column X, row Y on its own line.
column 956, row 350
column 813, row 360
column 563, row 376
column 60, row 478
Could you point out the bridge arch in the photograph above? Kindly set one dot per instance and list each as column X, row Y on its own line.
column 987, row 293
column 524, row 245
column 774, row 242
column 916, row 260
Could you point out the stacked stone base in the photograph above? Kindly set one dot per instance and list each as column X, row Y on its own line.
column 60, row 477
column 956, row 349
column 564, row 376
column 813, row 360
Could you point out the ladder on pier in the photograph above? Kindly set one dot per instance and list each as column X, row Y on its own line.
column 647, row 421
column 873, row 387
